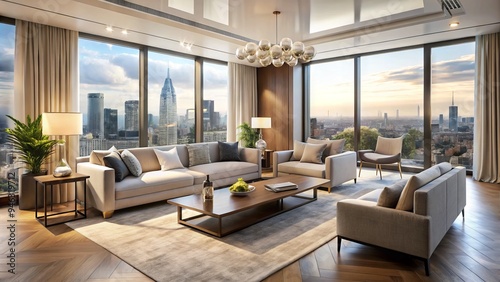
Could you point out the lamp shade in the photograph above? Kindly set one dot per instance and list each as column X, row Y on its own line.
column 62, row 123
column 261, row 122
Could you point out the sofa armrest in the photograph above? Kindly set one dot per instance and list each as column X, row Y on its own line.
column 340, row 168
column 101, row 184
column 280, row 157
column 397, row 230
column 252, row 155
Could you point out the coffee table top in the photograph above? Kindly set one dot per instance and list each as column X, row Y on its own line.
column 224, row 203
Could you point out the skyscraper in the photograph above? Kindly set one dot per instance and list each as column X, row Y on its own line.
column 110, row 123
column 95, row 111
column 167, row 125
column 132, row 115
column 453, row 114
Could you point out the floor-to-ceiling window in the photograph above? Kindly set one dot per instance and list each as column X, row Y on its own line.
column 7, row 43
column 452, row 97
column 392, row 101
column 109, row 95
column 214, row 101
column 171, row 99
column 332, row 101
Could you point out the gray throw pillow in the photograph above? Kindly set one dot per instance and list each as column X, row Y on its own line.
column 298, row 150
column 198, row 154
column 313, row 153
column 132, row 163
column 390, row 195
column 114, row 161
column 228, row 151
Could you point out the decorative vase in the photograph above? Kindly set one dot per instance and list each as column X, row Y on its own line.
column 208, row 190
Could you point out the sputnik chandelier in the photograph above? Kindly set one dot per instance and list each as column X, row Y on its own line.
column 277, row 54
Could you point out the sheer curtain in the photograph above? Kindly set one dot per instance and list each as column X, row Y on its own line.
column 242, row 97
column 487, row 109
column 46, row 80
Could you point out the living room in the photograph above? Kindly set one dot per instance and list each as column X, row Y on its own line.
column 150, row 48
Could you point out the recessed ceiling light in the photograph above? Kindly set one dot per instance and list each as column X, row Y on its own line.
column 109, row 28
column 454, row 24
column 124, row 32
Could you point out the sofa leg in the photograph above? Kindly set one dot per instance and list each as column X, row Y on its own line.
column 107, row 214
column 354, row 180
column 339, row 243
column 426, row 263
column 463, row 213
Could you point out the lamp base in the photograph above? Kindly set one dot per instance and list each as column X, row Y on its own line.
column 261, row 145
column 62, row 170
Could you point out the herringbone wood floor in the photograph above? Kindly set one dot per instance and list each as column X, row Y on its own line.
column 469, row 252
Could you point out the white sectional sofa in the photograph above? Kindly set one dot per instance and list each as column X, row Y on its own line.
column 411, row 216
column 159, row 181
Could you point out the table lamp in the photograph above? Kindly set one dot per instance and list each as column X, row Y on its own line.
column 261, row 122
column 65, row 124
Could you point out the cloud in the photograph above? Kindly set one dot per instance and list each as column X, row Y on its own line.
column 6, row 60
column 182, row 75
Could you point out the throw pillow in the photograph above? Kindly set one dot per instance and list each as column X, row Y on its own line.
column 416, row 181
column 390, row 195
column 313, row 153
column 96, row 156
column 168, row 159
column 198, row 154
column 333, row 147
column 114, row 161
column 228, row 151
column 298, row 150
column 132, row 163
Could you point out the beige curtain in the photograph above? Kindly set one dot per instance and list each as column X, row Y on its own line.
column 487, row 109
column 46, row 80
column 242, row 97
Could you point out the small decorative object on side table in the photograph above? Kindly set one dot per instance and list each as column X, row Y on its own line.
column 50, row 180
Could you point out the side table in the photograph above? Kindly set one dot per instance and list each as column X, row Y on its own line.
column 49, row 181
column 266, row 161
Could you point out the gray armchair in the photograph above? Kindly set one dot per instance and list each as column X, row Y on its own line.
column 387, row 151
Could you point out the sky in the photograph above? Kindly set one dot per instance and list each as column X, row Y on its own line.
column 394, row 81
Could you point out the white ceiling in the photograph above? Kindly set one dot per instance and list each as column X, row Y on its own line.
column 362, row 25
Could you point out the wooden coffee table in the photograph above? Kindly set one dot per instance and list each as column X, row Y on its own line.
column 228, row 213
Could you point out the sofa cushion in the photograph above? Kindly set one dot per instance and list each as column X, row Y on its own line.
column 152, row 182
column 389, row 196
column 308, row 169
column 132, row 163
column 228, row 151
column 333, row 147
column 198, row 154
column 298, row 150
column 416, row 181
column 114, row 161
column 168, row 159
column 96, row 156
column 445, row 167
column 313, row 153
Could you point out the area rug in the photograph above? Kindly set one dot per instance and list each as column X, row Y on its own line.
column 149, row 238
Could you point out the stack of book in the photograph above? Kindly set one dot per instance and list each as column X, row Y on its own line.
column 280, row 187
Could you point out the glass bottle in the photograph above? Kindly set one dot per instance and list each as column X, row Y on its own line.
column 208, row 189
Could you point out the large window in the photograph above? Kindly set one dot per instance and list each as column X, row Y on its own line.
column 7, row 166
column 214, row 102
column 392, row 101
column 452, row 95
column 171, row 100
column 109, row 95
column 332, row 101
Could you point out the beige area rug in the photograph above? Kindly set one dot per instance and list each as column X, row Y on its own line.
column 149, row 238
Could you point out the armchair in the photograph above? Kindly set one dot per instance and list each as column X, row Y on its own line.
column 387, row 151
column 335, row 165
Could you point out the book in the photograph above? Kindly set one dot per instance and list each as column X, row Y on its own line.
column 279, row 187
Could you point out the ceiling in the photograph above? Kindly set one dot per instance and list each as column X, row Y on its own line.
column 215, row 28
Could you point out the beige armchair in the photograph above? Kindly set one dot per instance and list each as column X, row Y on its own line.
column 333, row 164
column 387, row 151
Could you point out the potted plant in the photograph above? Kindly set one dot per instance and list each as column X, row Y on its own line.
column 33, row 148
column 248, row 135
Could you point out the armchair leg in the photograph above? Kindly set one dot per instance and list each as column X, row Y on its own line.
column 360, row 167
column 380, row 169
column 400, row 173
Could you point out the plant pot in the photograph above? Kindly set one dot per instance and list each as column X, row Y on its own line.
column 27, row 188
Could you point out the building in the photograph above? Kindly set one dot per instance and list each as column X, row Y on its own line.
column 132, row 115
column 110, row 123
column 167, row 124
column 95, row 115
column 453, row 116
